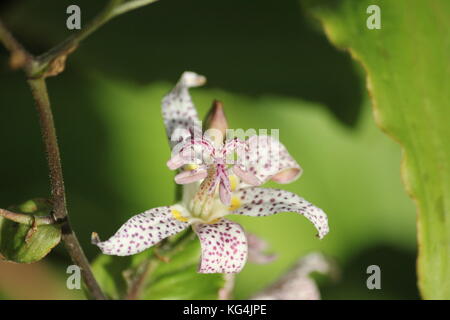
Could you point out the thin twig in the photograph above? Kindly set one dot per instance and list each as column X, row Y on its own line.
column 138, row 282
column 20, row 58
column 26, row 218
column 52, row 62
column 131, row 5
column 73, row 41
column 49, row 64
column 8, row 40
column 113, row 9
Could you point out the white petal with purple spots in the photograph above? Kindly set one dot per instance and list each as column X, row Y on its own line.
column 267, row 158
column 143, row 231
column 224, row 247
column 264, row 201
column 178, row 111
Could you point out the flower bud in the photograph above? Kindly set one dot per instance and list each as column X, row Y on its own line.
column 216, row 119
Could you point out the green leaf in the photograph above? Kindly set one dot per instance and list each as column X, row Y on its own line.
column 174, row 280
column 23, row 243
column 407, row 66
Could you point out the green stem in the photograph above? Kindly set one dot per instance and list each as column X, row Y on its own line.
column 26, row 219
column 38, row 67
column 166, row 250
column 62, row 48
column 139, row 280
column 131, row 5
column 113, row 9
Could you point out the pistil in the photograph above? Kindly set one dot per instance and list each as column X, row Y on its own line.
column 202, row 203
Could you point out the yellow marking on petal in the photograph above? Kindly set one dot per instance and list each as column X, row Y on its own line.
column 190, row 167
column 177, row 215
column 235, row 204
column 233, row 182
column 214, row 221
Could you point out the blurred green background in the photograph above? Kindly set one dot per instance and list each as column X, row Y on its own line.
column 272, row 67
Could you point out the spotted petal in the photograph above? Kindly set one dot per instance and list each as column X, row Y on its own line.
column 264, row 202
column 143, row 231
column 178, row 111
column 246, row 176
column 268, row 159
column 224, row 247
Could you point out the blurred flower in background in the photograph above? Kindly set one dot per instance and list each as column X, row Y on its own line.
column 297, row 283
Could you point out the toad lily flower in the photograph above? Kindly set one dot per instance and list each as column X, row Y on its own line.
column 213, row 162
column 212, row 190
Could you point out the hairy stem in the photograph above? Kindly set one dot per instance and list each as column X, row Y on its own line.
column 40, row 95
column 52, row 63
column 59, row 210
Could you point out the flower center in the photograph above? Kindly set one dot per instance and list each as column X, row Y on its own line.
column 202, row 203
